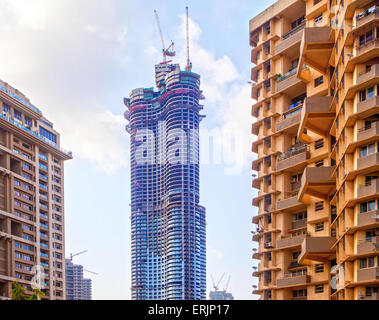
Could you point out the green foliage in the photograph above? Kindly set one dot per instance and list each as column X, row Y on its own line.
column 19, row 293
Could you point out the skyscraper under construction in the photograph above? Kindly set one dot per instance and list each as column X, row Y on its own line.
column 167, row 222
column 316, row 86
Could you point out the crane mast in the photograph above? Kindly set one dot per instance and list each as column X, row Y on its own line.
column 189, row 64
column 169, row 52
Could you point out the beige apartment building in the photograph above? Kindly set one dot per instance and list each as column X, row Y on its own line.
column 315, row 80
column 31, row 197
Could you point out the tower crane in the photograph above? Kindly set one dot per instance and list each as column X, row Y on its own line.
column 77, row 254
column 189, row 64
column 215, row 286
column 227, row 284
column 91, row 272
column 169, row 52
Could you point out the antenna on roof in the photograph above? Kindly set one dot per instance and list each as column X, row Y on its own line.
column 189, row 64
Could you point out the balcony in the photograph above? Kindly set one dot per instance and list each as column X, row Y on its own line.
column 317, row 182
column 368, row 107
column 299, row 224
column 298, row 154
column 371, row 15
column 289, row 119
column 368, row 246
column 316, row 116
column 369, row 162
column 371, row 75
column 368, row 274
column 366, row 51
column 290, row 242
column 316, row 48
column 368, row 218
column 287, row 80
column 316, row 249
column 290, row 39
column 291, row 281
column 368, row 190
column 290, row 204
column 368, row 132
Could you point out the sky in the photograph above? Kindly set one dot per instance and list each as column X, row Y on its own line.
column 77, row 59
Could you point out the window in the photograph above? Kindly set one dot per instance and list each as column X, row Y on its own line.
column 299, row 216
column 319, row 226
column 319, row 81
column 320, row 163
column 367, row 150
column 371, row 290
column 318, row 19
column 367, row 206
column 6, row 108
column 319, row 268
column 370, row 92
column 47, row 134
column 319, row 288
column 367, row 263
column 319, row 206
column 28, row 122
column 17, row 114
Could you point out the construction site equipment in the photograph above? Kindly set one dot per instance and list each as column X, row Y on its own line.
column 169, row 52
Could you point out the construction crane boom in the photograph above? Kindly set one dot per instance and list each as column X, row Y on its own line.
column 160, row 34
column 220, row 279
column 77, row 254
column 227, row 284
column 189, row 65
column 169, row 52
column 90, row 271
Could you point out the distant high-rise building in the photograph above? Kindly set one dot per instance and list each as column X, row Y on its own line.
column 87, row 289
column 77, row 287
column 220, row 295
column 316, row 86
column 31, row 197
column 168, row 224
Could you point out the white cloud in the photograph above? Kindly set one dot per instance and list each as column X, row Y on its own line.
column 215, row 253
column 227, row 92
column 101, row 139
column 65, row 60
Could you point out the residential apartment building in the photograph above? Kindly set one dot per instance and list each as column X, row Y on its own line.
column 168, row 242
column 77, row 287
column 31, row 197
column 316, row 84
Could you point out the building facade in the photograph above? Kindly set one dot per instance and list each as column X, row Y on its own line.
column 220, row 295
column 167, row 222
column 77, row 287
column 315, row 82
column 31, row 197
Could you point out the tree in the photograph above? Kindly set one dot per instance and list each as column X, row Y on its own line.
column 19, row 293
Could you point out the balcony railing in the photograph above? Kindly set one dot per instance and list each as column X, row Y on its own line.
column 366, row 13
column 291, row 113
column 286, row 75
column 296, row 149
column 293, row 31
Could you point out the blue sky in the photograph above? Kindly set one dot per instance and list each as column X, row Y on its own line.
column 76, row 60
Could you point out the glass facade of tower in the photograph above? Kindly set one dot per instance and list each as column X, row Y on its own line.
column 168, row 238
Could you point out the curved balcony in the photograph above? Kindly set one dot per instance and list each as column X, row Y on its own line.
column 317, row 182
column 316, row 249
column 316, row 48
column 316, row 116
